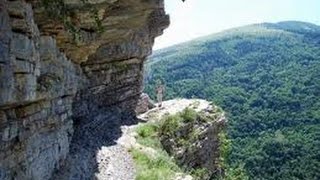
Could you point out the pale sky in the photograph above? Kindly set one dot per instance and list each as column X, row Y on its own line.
column 196, row 18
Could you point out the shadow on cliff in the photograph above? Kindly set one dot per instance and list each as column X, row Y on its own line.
column 99, row 128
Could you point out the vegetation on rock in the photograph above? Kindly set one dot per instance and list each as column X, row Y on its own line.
column 153, row 166
column 59, row 11
column 186, row 131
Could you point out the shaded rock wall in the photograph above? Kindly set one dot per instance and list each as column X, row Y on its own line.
column 144, row 104
column 48, row 82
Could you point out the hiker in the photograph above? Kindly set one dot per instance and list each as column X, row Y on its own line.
column 160, row 92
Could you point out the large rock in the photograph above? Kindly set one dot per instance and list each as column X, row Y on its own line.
column 144, row 104
column 48, row 82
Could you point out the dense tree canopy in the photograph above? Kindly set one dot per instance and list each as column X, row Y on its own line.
column 267, row 77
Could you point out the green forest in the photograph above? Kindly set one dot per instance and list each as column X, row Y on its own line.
column 267, row 78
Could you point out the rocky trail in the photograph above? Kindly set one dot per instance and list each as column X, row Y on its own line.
column 95, row 152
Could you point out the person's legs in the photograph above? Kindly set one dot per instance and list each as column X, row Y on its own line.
column 159, row 98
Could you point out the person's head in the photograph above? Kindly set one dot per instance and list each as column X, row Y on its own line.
column 159, row 82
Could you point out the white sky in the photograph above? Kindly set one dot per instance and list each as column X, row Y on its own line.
column 196, row 18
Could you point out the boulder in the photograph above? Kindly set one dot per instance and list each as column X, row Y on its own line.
column 144, row 104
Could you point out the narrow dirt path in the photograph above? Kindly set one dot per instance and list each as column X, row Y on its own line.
column 95, row 153
column 115, row 163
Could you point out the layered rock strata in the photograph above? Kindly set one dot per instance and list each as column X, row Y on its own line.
column 51, row 88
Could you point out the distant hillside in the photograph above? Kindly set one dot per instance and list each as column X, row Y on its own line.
column 267, row 78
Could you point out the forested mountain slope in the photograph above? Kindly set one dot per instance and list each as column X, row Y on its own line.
column 267, row 78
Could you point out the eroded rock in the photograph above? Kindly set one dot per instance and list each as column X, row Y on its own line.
column 192, row 138
column 144, row 104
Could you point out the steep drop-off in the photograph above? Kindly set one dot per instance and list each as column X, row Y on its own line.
column 56, row 94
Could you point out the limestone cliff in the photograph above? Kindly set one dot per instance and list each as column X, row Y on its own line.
column 52, row 89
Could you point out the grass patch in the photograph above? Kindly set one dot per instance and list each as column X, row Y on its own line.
column 188, row 115
column 148, row 135
column 161, row 167
column 199, row 174
column 169, row 124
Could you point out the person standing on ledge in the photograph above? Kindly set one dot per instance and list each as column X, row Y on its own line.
column 160, row 88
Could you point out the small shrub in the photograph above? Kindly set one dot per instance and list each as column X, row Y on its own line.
column 148, row 135
column 200, row 173
column 188, row 115
column 147, row 130
column 169, row 125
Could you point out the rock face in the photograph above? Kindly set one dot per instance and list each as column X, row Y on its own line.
column 192, row 138
column 144, row 104
column 51, row 88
